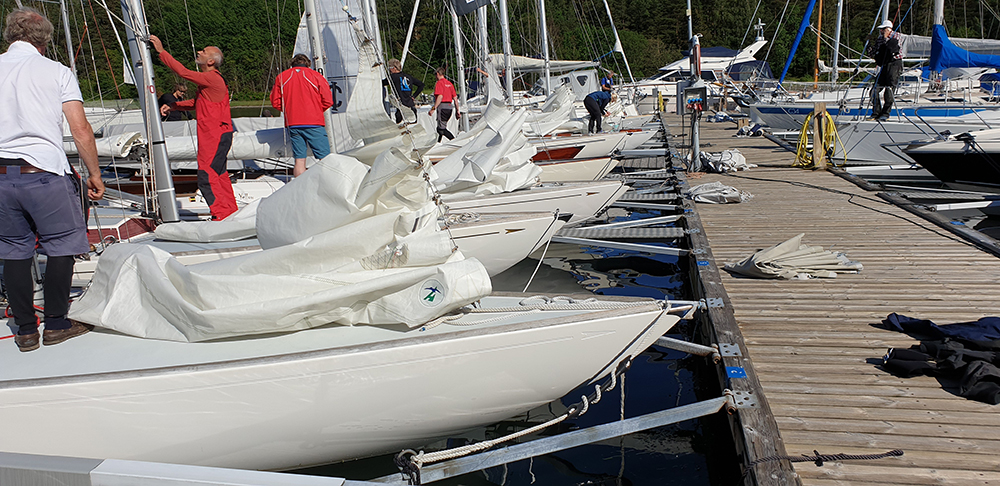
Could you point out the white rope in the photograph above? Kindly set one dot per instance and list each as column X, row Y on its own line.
column 422, row 458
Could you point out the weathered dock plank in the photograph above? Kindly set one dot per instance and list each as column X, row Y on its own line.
column 815, row 345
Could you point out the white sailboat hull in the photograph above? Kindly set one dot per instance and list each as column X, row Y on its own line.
column 590, row 146
column 583, row 199
column 304, row 398
column 499, row 241
column 575, row 169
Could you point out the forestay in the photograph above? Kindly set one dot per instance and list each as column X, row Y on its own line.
column 341, row 244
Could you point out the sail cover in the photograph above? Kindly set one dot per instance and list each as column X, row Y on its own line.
column 342, row 245
column 531, row 65
column 945, row 54
column 919, row 46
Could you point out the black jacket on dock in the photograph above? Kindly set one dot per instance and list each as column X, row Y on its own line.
column 967, row 352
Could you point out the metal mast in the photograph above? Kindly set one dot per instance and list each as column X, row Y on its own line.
column 318, row 61
column 163, row 182
column 505, row 34
column 461, row 67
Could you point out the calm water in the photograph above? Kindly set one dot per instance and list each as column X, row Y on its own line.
column 695, row 452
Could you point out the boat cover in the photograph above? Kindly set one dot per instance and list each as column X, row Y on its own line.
column 791, row 259
column 718, row 193
column 342, row 244
column 522, row 64
column 945, row 54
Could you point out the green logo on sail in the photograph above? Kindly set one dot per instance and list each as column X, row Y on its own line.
column 433, row 291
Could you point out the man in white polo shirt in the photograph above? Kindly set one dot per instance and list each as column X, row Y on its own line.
column 39, row 193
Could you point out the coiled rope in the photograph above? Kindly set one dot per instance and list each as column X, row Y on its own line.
column 409, row 461
column 803, row 156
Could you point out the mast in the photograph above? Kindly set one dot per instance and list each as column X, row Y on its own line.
column 688, row 13
column 409, row 33
column 836, row 42
column 819, row 34
column 69, row 41
column 938, row 12
column 319, row 62
column 461, row 66
column 545, row 46
column 505, row 34
column 484, row 46
column 618, row 42
column 376, row 32
column 166, row 198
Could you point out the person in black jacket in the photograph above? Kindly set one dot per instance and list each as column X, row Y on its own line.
column 179, row 93
column 405, row 86
column 885, row 51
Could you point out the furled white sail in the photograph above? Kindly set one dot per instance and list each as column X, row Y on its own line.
column 342, row 244
column 366, row 115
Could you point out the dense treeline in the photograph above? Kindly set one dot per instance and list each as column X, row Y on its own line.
column 258, row 36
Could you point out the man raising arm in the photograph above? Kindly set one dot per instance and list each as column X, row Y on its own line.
column 215, row 125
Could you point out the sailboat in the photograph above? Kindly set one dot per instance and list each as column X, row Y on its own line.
column 357, row 329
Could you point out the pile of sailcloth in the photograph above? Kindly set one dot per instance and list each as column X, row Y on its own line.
column 792, row 259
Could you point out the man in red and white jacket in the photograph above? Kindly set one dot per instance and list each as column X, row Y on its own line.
column 303, row 94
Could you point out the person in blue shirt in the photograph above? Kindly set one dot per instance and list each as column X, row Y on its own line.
column 608, row 80
column 595, row 103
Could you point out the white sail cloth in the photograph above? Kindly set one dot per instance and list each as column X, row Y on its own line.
column 342, row 245
column 718, row 193
column 497, row 159
column 792, row 259
column 555, row 112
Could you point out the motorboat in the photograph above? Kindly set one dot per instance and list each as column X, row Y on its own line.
column 315, row 396
column 965, row 161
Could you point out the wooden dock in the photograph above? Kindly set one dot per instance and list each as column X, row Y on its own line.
column 815, row 345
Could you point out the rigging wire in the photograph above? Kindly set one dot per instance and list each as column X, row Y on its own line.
column 101, row 38
column 187, row 15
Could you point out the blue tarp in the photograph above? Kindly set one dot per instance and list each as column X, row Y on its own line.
column 944, row 54
column 990, row 83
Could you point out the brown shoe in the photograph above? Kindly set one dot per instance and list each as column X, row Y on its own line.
column 27, row 342
column 51, row 338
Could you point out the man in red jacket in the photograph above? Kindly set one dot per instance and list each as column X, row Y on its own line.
column 303, row 94
column 215, row 125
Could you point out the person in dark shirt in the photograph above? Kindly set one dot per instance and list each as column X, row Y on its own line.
column 405, row 86
column 179, row 93
column 885, row 50
column 595, row 103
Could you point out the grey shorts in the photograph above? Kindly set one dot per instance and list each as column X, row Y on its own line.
column 42, row 204
column 443, row 115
